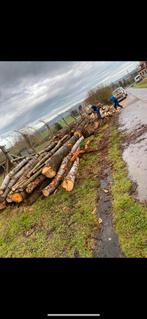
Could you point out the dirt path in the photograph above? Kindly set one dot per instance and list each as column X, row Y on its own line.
column 107, row 243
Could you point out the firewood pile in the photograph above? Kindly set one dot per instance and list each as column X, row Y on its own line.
column 54, row 166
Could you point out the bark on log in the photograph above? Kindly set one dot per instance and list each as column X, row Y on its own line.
column 69, row 180
column 48, row 190
column 58, row 178
column 39, row 180
column 28, row 181
column 47, row 156
column 13, row 181
column 11, row 174
column 22, row 178
column 23, row 182
column 54, row 162
column 48, row 148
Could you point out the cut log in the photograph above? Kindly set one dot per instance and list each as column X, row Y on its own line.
column 24, row 173
column 26, row 182
column 38, row 181
column 18, row 158
column 69, row 180
column 48, row 148
column 57, row 180
column 13, row 181
column 38, row 160
column 46, row 157
column 11, row 174
column 53, row 164
column 48, row 190
column 76, row 154
column 17, row 197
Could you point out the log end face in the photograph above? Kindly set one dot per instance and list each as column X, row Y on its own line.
column 49, row 172
column 29, row 190
column 45, row 192
column 68, row 185
column 16, row 197
column 77, row 134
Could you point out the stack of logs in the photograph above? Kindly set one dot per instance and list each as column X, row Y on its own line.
column 55, row 165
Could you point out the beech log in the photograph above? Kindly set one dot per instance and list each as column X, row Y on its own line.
column 52, row 166
column 62, row 171
column 69, row 180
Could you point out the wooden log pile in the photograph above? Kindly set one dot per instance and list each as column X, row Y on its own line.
column 55, row 165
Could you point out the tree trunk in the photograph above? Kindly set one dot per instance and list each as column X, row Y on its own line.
column 38, row 181
column 62, row 171
column 47, row 156
column 12, row 182
column 52, row 166
column 11, row 174
column 24, row 175
column 26, row 182
column 48, row 148
column 69, row 180
column 58, row 178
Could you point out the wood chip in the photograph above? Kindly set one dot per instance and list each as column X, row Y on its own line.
column 105, row 190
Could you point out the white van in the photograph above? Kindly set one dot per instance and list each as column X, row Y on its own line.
column 138, row 78
column 120, row 93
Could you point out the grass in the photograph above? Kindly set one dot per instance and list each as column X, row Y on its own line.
column 142, row 84
column 69, row 119
column 42, row 146
column 57, row 226
column 65, row 223
column 130, row 216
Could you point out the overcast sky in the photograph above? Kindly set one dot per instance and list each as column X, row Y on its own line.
column 33, row 90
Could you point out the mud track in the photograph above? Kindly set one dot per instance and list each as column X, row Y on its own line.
column 107, row 244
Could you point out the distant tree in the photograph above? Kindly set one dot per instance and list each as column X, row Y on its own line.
column 57, row 126
column 99, row 95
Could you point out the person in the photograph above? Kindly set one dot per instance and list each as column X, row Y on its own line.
column 114, row 100
column 96, row 109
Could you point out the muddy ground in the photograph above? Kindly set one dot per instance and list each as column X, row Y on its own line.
column 107, row 243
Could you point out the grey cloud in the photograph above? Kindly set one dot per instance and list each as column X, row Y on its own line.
column 32, row 90
column 14, row 71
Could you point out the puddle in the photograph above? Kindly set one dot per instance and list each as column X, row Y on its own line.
column 135, row 155
column 133, row 119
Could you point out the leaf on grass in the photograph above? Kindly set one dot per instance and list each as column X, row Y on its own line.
column 29, row 232
column 105, row 190
column 94, row 211
column 100, row 221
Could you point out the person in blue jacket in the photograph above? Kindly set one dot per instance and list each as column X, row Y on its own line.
column 114, row 100
column 96, row 109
